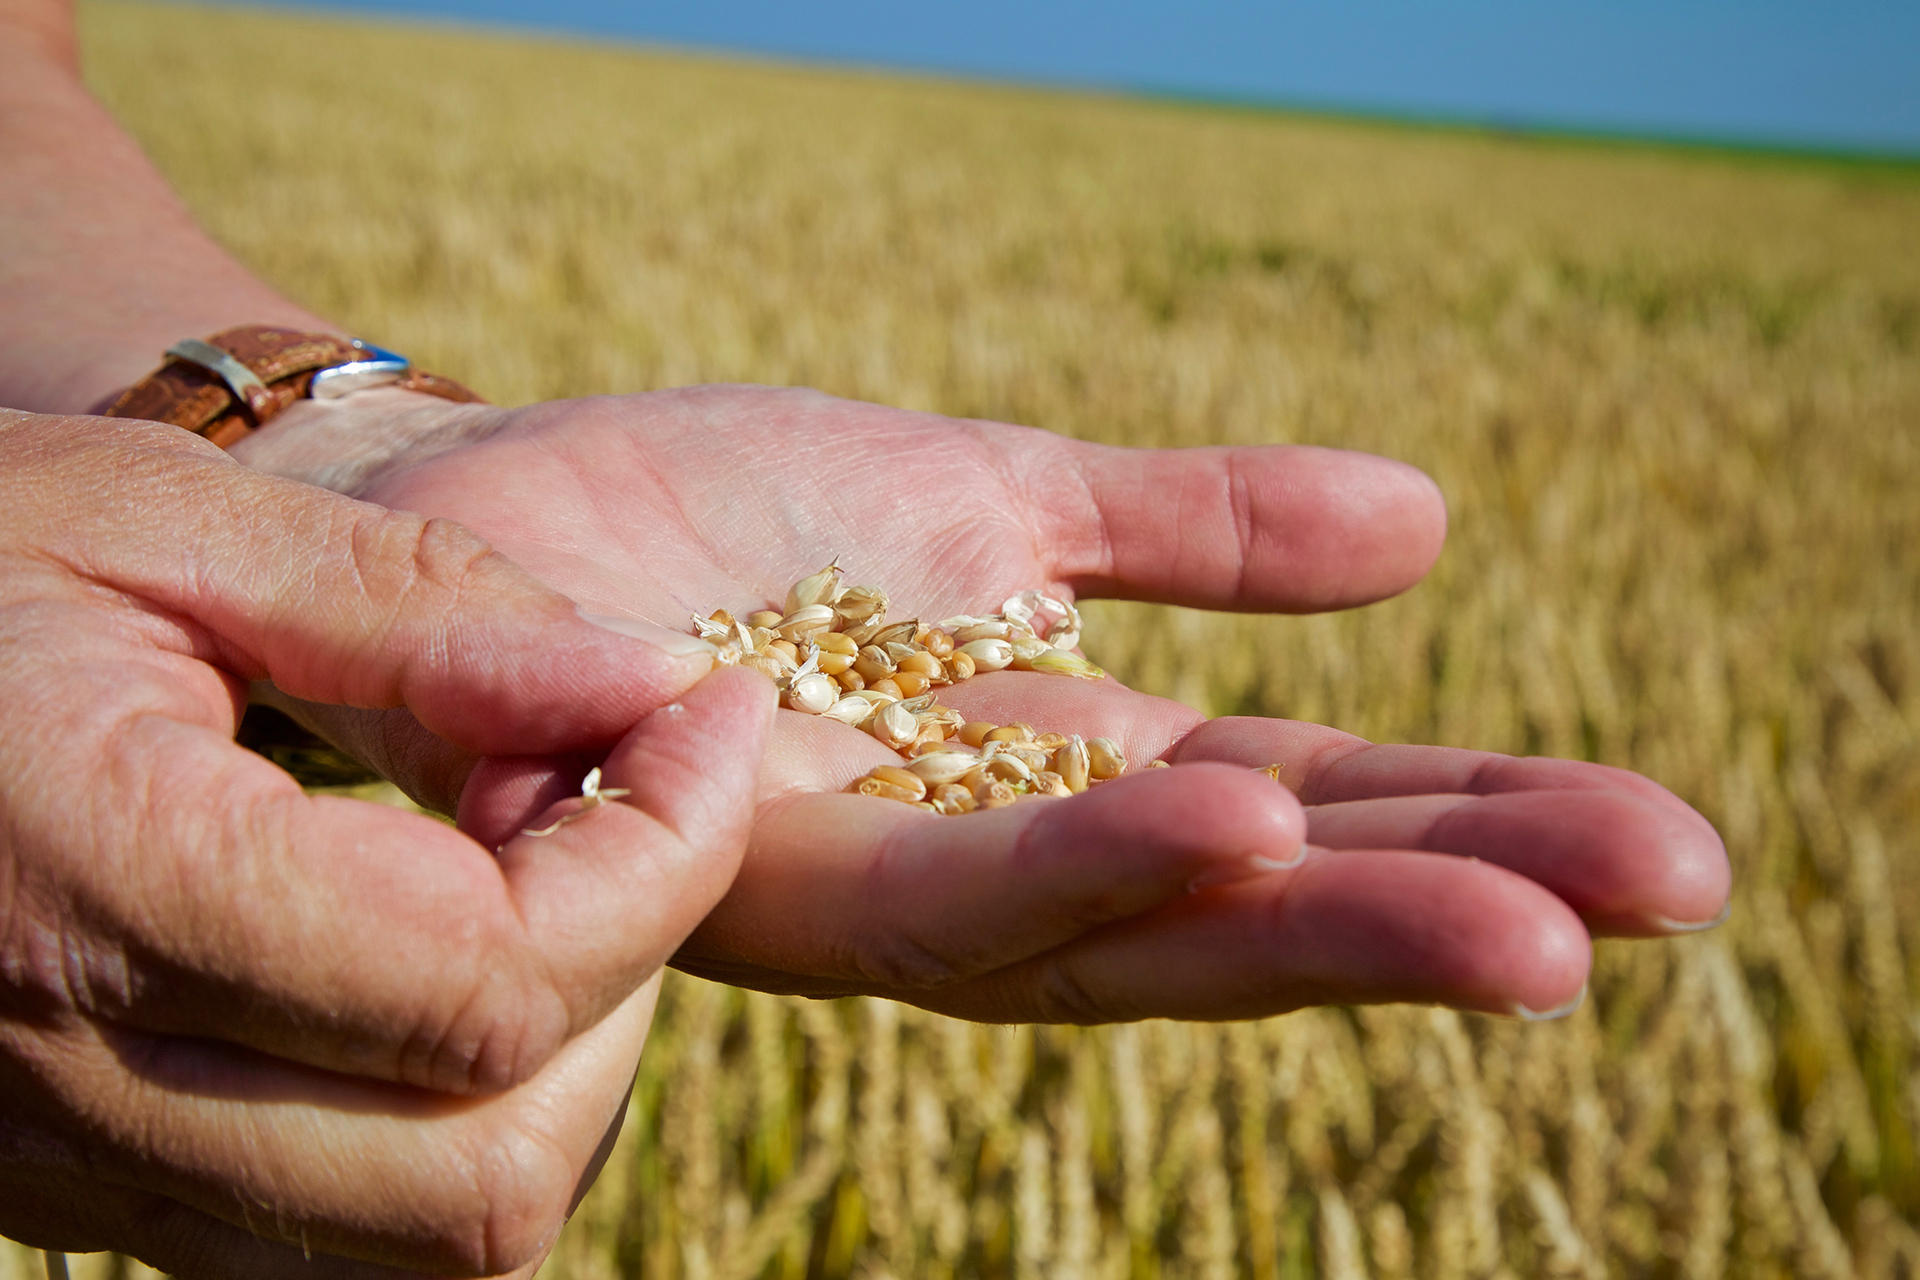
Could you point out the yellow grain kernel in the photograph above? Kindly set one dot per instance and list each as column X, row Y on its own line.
column 922, row 663
column 835, row 642
column 1105, row 759
column 974, row 732
column 883, row 790
column 905, row 779
column 995, row 795
column 873, row 663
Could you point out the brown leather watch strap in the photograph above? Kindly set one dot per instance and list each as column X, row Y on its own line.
column 283, row 363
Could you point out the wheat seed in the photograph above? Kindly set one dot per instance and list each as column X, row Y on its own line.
column 832, row 652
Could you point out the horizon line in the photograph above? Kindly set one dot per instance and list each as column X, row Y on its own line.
column 1518, row 126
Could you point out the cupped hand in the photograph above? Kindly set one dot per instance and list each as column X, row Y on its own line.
column 1201, row 891
column 240, row 1025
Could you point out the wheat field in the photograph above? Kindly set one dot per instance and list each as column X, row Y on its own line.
column 1673, row 398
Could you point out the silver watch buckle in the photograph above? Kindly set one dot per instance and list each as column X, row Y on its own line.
column 378, row 368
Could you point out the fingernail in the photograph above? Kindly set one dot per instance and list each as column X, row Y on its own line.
column 1548, row 1015
column 1696, row 926
column 677, row 643
column 1244, row 869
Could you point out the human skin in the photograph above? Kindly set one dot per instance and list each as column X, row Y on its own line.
column 227, row 1007
column 1411, row 873
column 310, row 1018
column 244, row 1031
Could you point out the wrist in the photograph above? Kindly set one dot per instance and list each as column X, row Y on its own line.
column 348, row 444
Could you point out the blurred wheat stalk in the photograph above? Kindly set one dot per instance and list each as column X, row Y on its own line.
column 1673, row 401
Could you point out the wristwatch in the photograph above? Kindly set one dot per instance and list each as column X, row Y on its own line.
column 229, row 385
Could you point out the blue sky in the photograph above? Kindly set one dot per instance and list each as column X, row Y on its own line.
column 1843, row 74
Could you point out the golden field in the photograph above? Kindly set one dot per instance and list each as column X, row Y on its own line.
column 1673, row 399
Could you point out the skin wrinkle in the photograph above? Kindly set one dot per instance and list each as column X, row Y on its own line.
column 367, row 542
column 1240, row 505
column 1186, row 526
column 1478, row 778
column 1085, row 913
column 105, row 481
column 1432, row 835
column 1098, row 1012
column 428, row 1057
column 278, row 809
column 1020, row 498
column 679, row 516
column 1311, row 990
column 346, row 445
column 534, row 1000
column 13, row 914
column 650, row 471
column 133, row 788
column 896, row 958
column 550, row 982
column 1065, row 998
column 268, row 1190
column 1319, row 765
column 51, row 964
column 1100, row 527
column 638, row 458
column 500, row 1182
column 437, row 654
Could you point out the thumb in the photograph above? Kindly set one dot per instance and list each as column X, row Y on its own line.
column 610, row 891
column 344, row 602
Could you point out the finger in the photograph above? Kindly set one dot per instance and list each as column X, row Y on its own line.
column 343, row 602
column 608, row 917
column 377, row 942
column 1628, row 866
column 430, row 770
column 867, row 892
column 1287, row 528
column 1354, row 927
column 179, row 1241
column 167, row 1235
column 1631, row 855
column 231, row 1161
column 1325, row 766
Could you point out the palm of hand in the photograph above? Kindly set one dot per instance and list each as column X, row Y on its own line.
column 1202, row 891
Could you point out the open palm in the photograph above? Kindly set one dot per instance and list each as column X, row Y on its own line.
column 1202, row 891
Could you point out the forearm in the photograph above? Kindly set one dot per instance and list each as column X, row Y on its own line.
column 103, row 267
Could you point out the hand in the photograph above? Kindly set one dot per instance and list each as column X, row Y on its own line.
column 662, row 505
column 227, row 1007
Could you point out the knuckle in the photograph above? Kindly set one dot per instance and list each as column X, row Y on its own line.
column 1060, row 995
column 403, row 559
column 895, row 955
column 896, row 960
column 497, row 1038
column 449, row 555
column 525, row 1184
column 498, row 1199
